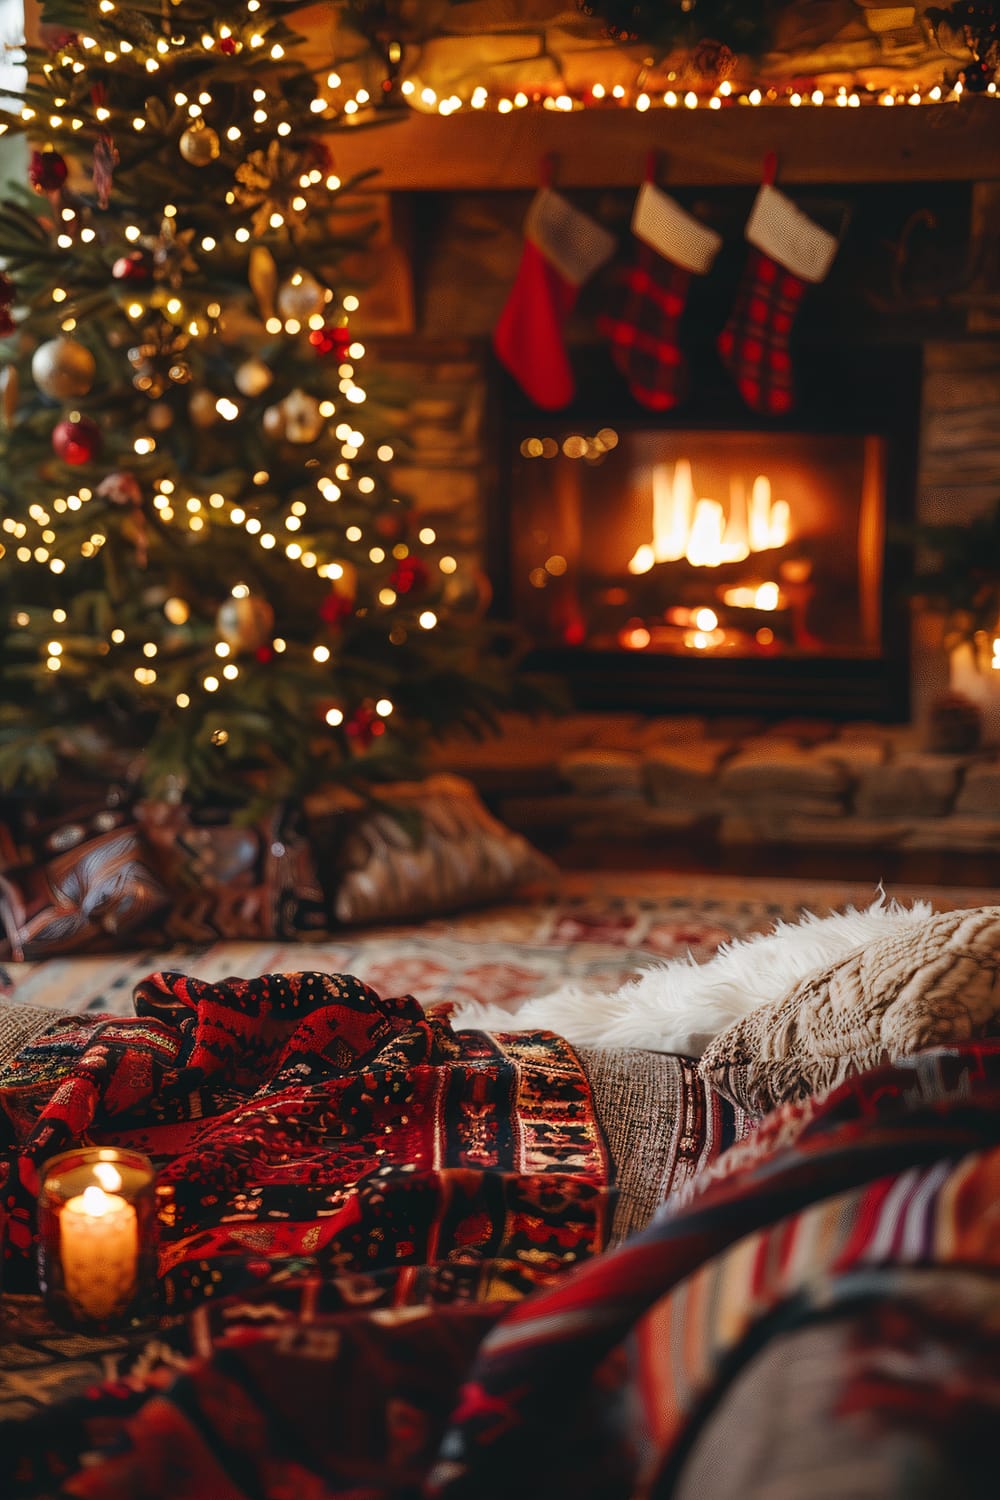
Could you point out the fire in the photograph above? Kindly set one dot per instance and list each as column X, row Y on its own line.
column 701, row 530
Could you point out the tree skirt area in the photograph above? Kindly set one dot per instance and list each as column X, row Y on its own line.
column 595, row 929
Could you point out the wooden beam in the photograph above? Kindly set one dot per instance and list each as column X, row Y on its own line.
column 608, row 148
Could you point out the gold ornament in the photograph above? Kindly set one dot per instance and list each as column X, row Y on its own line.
column 10, row 390
column 202, row 408
column 269, row 182
column 177, row 610
column 199, row 144
column 160, row 416
column 253, row 377
column 345, row 585
column 170, row 251
column 300, row 297
column 244, row 624
column 262, row 274
column 63, row 368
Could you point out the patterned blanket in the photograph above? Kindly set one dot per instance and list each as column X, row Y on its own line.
column 359, row 1193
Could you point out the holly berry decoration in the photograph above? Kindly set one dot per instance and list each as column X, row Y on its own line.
column 76, row 440
column 121, row 488
column 409, row 576
column 334, row 339
column 364, row 726
column 6, row 303
column 336, row 608
column 132, row 267
column 47, row 171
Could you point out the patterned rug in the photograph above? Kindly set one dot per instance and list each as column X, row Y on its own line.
column 593, row 929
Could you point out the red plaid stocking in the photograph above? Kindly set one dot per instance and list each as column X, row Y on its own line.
column 789, row 251
column 563, row 247
column 643, row 323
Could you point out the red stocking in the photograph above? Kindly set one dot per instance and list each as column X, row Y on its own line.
column 563, row 247
column 643, row 324
column 788, row 252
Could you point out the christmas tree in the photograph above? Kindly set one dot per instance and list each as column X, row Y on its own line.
column 202, row 554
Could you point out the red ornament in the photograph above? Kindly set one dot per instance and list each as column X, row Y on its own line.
column 227, row 45
column 331, row 340
column 47, row 171
column 316, row 156
column 6, row 299
column 76, row 442
column 264, row 654
column 409, row 576
column 336, row 608
column 364, row 726
column 131, row 267
column 57, row 38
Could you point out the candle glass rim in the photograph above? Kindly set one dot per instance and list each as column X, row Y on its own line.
column 124, row 1154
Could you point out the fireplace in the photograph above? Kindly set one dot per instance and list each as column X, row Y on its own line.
column 707, row 560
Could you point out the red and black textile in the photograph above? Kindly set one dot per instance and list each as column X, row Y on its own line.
column 643, row 319
column 583, row 1389
column 788, row 252
column 301, row 1122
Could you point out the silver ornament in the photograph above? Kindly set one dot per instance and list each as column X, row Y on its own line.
column 303, row 420
column 300, row 297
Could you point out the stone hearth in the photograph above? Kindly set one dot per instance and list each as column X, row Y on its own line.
column 624, row 778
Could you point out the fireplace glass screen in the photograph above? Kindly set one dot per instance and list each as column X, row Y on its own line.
column 699, row 543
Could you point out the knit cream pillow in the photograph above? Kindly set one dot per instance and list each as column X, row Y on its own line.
column 916, row 987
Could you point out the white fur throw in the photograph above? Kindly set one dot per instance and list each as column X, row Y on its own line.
column 680, row 1006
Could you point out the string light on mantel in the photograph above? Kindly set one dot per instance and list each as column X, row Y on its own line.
column 726, row 95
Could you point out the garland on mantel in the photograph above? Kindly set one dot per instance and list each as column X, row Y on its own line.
column 688, row 53
column 669, row 25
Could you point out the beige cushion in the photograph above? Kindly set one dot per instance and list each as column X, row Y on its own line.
column 917, row 986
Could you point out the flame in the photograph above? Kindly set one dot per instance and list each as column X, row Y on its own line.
column 753, row 596
column 96, row 1202
column 701, row 530
column 995, row 663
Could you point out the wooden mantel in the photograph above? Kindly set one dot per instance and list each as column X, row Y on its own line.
column 608, row 148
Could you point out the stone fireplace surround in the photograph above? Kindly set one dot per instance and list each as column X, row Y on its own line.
column 738, row 779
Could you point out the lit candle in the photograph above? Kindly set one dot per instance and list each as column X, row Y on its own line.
column 99, row 1247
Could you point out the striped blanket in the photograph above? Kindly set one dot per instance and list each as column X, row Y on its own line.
column 877, row 1205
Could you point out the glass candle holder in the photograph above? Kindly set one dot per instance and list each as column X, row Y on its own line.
column 97, row 1232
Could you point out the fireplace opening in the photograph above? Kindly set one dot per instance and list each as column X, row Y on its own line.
column 703, row 560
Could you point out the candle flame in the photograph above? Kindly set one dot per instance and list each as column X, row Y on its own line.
column 96, row 1202
column 108, row 1176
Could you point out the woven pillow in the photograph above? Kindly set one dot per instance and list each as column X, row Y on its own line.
column 446, row 853
column 916, row 987
column 94, row 895
column 230, row 879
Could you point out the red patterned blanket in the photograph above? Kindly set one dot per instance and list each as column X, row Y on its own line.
column 301, row 1122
